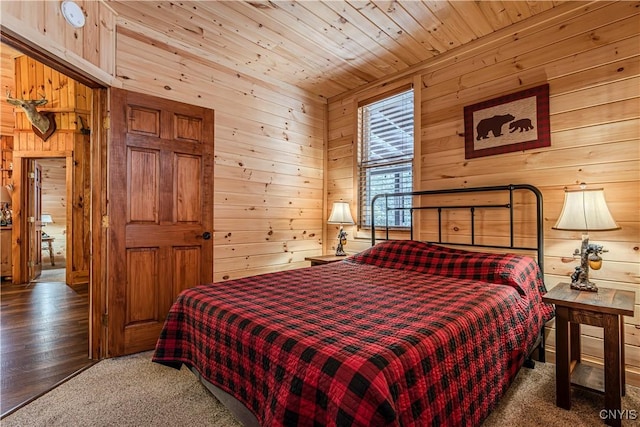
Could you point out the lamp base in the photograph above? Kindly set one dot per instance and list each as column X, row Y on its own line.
column 580, row 277
column 342, row 240
column 584, row 286
column 580, row 280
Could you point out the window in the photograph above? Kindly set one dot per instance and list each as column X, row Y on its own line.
column 385, row 157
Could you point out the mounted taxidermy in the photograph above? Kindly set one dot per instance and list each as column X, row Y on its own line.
column 42, row 123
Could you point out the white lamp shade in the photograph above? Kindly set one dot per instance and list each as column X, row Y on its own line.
column 5, row 196
column 340, row 214
column 585, row 210
column 46, row 219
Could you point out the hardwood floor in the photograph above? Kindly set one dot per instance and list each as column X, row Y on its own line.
column 44, row 336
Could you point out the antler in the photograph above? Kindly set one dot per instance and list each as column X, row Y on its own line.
column 36, row 118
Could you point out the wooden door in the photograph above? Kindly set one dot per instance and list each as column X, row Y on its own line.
column 34, row 221
column 160, row 221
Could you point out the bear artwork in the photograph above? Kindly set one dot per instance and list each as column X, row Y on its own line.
column 522, row 125
column 492, row 124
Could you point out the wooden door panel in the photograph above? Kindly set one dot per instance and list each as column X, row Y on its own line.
column 186, row 277
column 161, row 206
column 143, row 121
column 187, row 197
column 138, row 235
column 143, row 171
column 142, row 286
column 141, row 337
column 188, row 128
column 34, row 212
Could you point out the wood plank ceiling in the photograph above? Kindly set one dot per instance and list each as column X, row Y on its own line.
column 323, row 47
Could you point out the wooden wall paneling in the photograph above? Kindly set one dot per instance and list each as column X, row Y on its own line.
column 268, row 155
column 275, row 123
column 6, row 165
column 591, row 59
column 18, row 251
column 91, row 35
column 528, row 76
column 80, row 222
column 7, row 120
column 40, row 26
column 33, row 80
column 517, row 53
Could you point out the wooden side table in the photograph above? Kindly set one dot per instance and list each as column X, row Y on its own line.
column 324, row 259
column 47, row 244
column 605, row 309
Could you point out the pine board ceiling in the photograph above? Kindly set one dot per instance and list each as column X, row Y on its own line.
column 323, row 47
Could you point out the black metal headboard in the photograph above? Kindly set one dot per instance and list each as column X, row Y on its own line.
column 472, row 208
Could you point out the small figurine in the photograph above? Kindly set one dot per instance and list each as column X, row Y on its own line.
column 342, row 241
column 595, row 260
column 580, row 281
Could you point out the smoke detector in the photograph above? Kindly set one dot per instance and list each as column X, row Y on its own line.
column 72, row 13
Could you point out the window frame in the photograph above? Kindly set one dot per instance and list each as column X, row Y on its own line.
column 362, row 211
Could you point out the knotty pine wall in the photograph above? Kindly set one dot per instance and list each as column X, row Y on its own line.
column 269, row 149
column 40, row 22
column 269, row 154
column 70, row 101
column 591, row 60
column 7, row 120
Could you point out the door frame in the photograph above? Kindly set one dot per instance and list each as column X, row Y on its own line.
column 20, row 257
column 98, row 172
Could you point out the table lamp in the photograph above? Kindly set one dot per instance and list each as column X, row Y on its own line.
column 5, row 203
column 341, row 214
column 46, row 219
column 5, row 194
column 586, row 210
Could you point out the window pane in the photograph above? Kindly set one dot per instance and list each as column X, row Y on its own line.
column 385, row 155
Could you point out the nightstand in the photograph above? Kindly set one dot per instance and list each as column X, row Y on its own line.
column 324, row 259
column 605, row 309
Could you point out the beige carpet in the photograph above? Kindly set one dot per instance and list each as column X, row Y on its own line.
column 133, row 391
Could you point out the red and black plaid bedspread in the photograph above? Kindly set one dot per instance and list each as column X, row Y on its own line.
column 354, row 343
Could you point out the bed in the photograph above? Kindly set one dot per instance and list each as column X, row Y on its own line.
column 404, row 333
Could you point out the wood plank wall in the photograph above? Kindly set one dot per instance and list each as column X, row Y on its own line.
column 40, row 23
column 269, row 138
column 7, row 56
column 269, row 153
column 7, row 119
column 591, row 60
column 71, row 102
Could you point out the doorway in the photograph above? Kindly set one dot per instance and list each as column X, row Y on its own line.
column 45, row 361
column 53, row 219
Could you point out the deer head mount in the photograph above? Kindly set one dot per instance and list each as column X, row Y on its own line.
column 42, row 123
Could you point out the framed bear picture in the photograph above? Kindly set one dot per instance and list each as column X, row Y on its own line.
column 514, row 122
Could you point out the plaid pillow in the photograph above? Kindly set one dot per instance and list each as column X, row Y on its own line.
column 505, row 269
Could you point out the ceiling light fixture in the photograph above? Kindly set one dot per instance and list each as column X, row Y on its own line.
column 72, row 13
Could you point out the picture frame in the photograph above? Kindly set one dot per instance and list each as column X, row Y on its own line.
column 515, row 122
